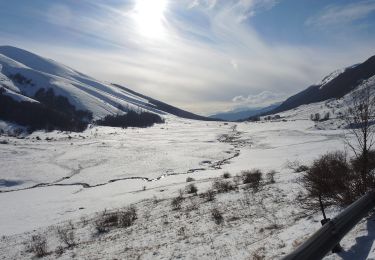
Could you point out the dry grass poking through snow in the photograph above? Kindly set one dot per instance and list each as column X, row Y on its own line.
column 232, row 220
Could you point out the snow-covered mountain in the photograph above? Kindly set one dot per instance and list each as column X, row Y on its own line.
column 23, row 74
column 335, row 85
column 330, row 111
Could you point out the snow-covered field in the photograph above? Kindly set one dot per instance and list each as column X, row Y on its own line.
column 48, row 179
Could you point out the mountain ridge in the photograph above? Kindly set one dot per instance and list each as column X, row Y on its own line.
column 23, row 73
column 336, row 87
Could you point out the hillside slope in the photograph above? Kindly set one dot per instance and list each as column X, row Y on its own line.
column 23, row 74
column 335, row 85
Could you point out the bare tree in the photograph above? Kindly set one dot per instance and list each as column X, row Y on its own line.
column 360, row 118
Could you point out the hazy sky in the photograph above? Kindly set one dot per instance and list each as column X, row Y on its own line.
column 201, row 55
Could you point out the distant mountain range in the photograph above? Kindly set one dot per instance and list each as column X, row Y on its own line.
column 335, row 85
column 23, row 75
column 241, row 114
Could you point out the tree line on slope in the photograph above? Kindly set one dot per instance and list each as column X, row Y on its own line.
column 131, row 119
column 55, row 114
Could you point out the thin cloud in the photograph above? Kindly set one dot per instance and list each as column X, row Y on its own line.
column 342, row 14
column 262, row 99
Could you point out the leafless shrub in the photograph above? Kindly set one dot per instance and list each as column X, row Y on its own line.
column 247, row 199
column 331, row 178
column 237, row 180
column 223, row 186
column 217, row 216
column 271, row 176
column 315, row 117
column 193, row 205
column 84, row 221
column 66, row 235
column 155, row 200
column 127, row 217
column 38, row 245
column 209, row 195
column 253, row 178
column 100, row 227
column 119, row 219
column 357, row 164
column 190, row 179
column 360, row 120
column 258, row 254
column 177, row 203
column 273, row 226
column 105, row 221
column 191, row 189
column 296, row 166
column 182, row 232
column 59, row 250
column 226, row 175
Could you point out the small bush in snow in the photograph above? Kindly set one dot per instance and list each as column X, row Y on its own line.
column 66, row 235
column 193, row 205
column 190, row 179
column 155, row 200
column 191, row 189
column 38, row 245
column 358, row 163
column 100, row 227
column 253, row 178
column 226, row 175
column 177, row 203
column 209, row 195
column 223, row 186
column 217, row 216
column 326, row 116
column 237, row 180
column 317, row 117
column 105, row 221
column 296, row 166
column 271, row 176
column 331, row 177
column 59, row 251
column 127, row 217
column 119, row 219
column 258, row 254
column 182, row 232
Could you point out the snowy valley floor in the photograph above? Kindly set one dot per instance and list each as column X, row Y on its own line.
column 52, row 180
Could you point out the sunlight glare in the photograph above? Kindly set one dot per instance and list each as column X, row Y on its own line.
column 149, row 17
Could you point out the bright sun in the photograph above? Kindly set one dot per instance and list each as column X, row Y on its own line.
column 149, row 17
